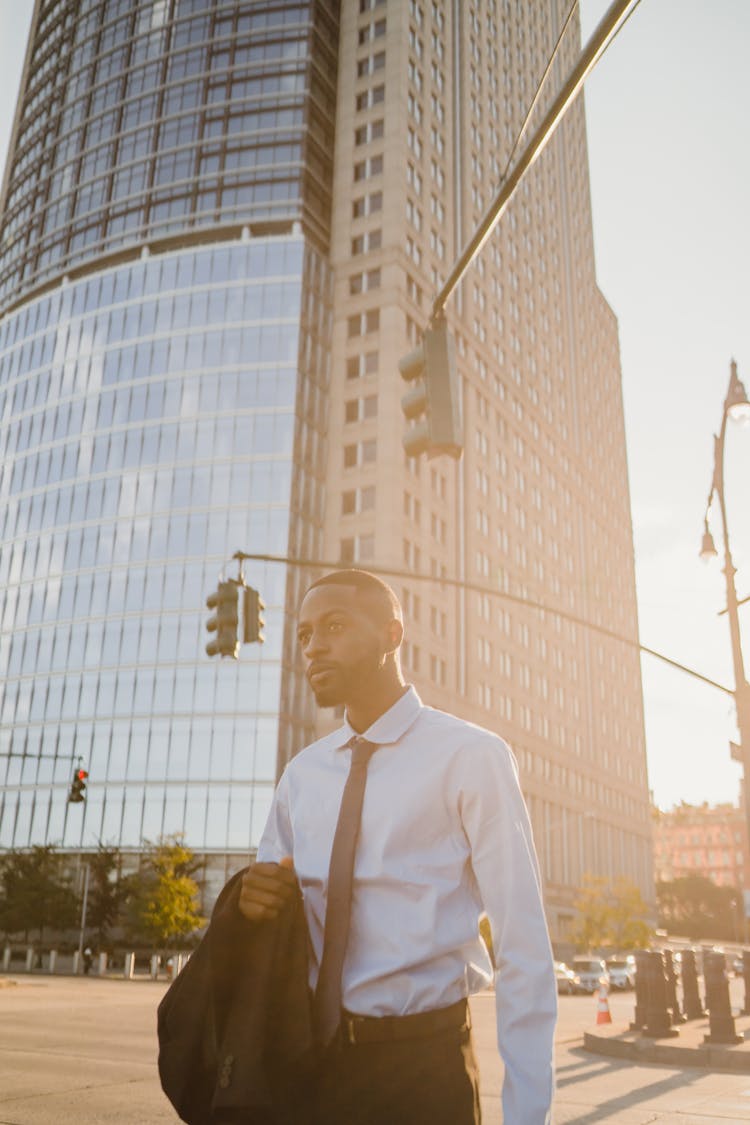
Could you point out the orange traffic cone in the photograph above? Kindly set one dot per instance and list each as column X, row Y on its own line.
column 603, row 1014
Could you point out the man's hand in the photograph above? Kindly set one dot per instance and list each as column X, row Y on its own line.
column 266, row 889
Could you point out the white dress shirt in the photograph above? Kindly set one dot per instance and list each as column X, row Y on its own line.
column 444, row 835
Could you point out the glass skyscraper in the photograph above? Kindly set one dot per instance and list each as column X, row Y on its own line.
column 164, row 356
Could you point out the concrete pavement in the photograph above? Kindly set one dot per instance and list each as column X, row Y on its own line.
column 82, row 1051
column 592, row 1089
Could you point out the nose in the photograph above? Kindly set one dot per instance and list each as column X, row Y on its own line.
column 316, row 643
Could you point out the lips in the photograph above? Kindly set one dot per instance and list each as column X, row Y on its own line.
column 317, row 671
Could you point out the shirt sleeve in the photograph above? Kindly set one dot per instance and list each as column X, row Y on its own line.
column 496, row 824
column 277, row 840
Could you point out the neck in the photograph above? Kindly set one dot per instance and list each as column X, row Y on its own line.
column 375, row 700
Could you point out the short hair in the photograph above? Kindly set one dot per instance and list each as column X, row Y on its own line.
column 381, row 596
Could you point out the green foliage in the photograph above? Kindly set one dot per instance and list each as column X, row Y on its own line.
column 35, row 892
column 109, row 891
column 591, row 929
column 610, row 917
column 165, row 897
column 628, row 926
column 696, row 907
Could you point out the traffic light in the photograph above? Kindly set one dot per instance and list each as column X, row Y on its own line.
column 434, row 399
column 225, row 621
column 78, row 787
column 253, row 613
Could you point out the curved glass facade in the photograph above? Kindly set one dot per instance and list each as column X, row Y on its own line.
column 149, row 427
column 165, row 331
column 140, row 121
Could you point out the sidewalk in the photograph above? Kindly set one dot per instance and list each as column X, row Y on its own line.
column 687, row 1048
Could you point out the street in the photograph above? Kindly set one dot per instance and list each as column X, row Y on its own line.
column 82, row 1051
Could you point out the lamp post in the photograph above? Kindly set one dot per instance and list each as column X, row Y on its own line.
column 737, row 407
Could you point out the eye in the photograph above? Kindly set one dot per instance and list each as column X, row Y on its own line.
column 303, row 638
column 335, row 626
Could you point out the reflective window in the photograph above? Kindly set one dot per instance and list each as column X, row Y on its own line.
column 125, row 488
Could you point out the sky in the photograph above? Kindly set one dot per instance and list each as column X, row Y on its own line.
column 670, row 167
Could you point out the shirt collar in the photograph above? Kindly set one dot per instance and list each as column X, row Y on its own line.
column 392, row 724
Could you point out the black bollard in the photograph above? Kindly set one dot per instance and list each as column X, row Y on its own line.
column 673, row 1003
column 746, row 978
column 691, row 1000
column 721, row 1027
column 658, row 1022
column 641, row 989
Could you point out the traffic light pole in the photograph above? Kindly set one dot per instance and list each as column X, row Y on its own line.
column 84, row 907
column 604, row 33
column 492, row 591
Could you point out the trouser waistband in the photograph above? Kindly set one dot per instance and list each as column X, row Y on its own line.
column 356, row 1029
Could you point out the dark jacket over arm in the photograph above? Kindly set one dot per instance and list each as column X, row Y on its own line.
column 235, row 1039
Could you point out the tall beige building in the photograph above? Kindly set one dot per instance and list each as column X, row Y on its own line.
column 431, row 96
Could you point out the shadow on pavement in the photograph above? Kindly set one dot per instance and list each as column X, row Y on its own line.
column 605, row 1111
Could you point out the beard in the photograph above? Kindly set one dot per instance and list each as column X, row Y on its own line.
column 331, row 692
column 340, row 685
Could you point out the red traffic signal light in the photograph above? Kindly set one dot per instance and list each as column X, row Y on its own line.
column 78, row 787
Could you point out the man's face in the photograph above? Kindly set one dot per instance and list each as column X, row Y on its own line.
column 343, row 644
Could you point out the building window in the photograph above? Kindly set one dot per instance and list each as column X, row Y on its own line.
column 371, row 64
column 365, row 169
column 361, row 409
column 372, row 131
column 367, row 205
column 348, row 502
column 374, row 30
column 358, row 500
column 359, row 365
column 360, row 453
column 370, row 240
column 369, row 98
column 363, row 323
column 364, row 282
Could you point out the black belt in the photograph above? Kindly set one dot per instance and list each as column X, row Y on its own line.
column 356, row 1029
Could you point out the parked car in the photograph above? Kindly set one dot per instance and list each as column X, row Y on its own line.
column 621, row 972
column 567, row 981
column 591, row 971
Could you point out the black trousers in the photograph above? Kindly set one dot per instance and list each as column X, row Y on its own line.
column 426, row 1081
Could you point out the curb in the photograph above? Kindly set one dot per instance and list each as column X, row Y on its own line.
column 626, row 1045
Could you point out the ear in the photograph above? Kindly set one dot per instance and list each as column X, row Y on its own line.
column 394, row 635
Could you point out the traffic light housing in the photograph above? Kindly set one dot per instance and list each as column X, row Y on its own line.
column 432, row 405
column 78, row 787
column 225, row 622
column 253, row 616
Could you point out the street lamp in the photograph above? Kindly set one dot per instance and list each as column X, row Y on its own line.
column 736, row 407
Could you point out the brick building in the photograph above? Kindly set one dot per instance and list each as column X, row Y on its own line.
column 705, row 839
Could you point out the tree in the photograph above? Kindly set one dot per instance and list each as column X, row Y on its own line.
column 166, row 898
column 610, row 916
column 35, row 892
column 697, row 907
column 109, row 891
column 628, row 926
column 592, row 927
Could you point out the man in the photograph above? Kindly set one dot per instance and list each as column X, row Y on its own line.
column 443, row 835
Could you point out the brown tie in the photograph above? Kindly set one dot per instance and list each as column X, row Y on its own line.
column 327, row 1006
